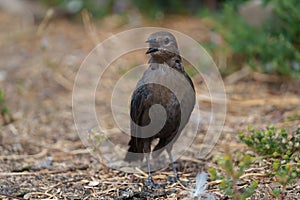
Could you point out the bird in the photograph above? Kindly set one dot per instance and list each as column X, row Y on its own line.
column 164, row 83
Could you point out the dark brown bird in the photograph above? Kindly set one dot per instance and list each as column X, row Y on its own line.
column 164, row 83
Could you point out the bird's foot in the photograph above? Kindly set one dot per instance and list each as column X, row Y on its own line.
column 150, row 184
column 176, row 179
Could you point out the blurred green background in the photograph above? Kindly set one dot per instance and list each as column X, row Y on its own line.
column 264, row 34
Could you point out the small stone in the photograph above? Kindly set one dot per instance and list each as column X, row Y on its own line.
column 44, row 164
column 93, row 183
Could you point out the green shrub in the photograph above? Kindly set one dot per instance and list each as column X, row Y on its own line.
column 280, row 148
column 156, row 8
column 98, row 9
column 4, row 111
column 153, row 9
column 275, row 143
column 232, row 171
column 274, row 48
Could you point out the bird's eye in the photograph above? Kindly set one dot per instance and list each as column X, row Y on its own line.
column 167, row 40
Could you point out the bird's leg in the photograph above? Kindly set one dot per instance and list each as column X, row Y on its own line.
column 176, row 176
column 150, row 182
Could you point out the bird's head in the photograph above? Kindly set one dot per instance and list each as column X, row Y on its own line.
column 162, row 45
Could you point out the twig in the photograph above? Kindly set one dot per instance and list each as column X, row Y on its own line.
column 254, row 174
column 37, row 173
column 104, row 192
column 9, row 196
column 89, row 27
column 28, row 195
column 141, row 171
column 268, row 78
column 64, row 82
column 18, row 157
column 185, row 158
column 212, row 183
column 254, row 169
column 182, row 185
column 77, row 152
column 266, row 101
column 119, row 183
column 236, row 76
column 44, row 24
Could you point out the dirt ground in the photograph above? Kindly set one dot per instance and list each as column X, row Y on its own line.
column 41, row 155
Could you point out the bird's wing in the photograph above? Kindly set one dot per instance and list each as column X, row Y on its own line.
column 140, row 104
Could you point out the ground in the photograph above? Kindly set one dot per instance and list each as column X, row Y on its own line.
column 41, row 155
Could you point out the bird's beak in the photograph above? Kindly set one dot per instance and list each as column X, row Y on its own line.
column 151, row 50
column 152, row 43
column 150, row 40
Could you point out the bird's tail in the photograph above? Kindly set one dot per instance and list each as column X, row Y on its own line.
column 135, row 150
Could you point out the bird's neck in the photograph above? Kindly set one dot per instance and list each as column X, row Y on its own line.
column 173, row 62
column 156, row 59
